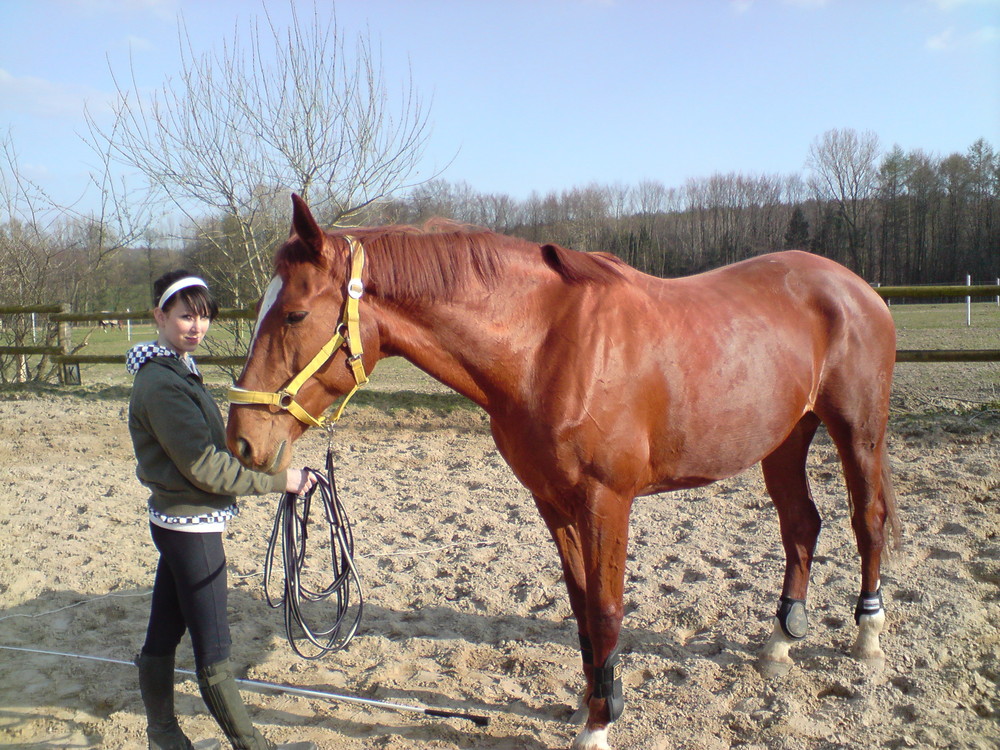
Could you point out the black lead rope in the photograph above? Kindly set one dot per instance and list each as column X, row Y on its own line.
column 291, row 526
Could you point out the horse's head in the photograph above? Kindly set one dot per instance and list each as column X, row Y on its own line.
column 310, row 327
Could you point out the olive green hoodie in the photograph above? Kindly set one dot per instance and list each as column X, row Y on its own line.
column 180, row 440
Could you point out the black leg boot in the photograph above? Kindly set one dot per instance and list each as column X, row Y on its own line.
column 222, row 696
column 156, row 685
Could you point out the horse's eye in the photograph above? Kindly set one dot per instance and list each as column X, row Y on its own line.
column 296, row 317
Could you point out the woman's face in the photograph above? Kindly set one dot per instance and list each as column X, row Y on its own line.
column 181, row 329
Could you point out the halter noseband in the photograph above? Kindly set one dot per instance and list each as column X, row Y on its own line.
column 348, row 336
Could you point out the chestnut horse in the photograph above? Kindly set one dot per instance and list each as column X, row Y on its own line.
column 601, row 384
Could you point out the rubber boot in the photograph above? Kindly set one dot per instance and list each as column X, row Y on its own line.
column 156, row 685
column 222, row 696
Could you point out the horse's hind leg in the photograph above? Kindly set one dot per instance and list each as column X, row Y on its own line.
column 862, row 450
column 785, row 476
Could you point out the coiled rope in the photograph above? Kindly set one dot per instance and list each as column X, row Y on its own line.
column 291, row 529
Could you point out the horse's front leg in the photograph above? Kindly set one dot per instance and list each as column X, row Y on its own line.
column 564, row 534
column 603, row 529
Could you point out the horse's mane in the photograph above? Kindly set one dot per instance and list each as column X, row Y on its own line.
column 432, row 262
column 441, row 258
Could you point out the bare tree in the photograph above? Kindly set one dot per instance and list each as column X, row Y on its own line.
column 276, row 109
column 34, row 261
column 845, row 170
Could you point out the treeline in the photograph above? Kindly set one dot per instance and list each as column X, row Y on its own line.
column 903, row 218
column 910, row 218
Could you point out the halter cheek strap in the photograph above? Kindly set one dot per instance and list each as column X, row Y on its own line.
column 348, row 336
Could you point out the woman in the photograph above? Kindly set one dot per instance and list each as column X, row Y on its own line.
column 179, row 440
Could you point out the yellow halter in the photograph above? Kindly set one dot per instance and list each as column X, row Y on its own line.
column 348, row 335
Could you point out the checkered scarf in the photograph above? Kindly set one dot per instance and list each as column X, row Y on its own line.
column 140, row 354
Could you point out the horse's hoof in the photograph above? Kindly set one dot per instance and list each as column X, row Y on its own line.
column 874, row 658
column 874, row 663
column 773, row 669
column 592, row 739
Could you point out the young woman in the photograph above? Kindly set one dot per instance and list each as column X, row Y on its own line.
column 180, row 446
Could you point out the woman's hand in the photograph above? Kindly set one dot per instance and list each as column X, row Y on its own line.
column 299, row 482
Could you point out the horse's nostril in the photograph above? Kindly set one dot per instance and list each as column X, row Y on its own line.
column 243, row 450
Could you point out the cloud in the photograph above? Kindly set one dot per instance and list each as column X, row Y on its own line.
column 163, row 9
column 950, row 40
column 950, row 5
column 941, row 42
column 986, row 35
column 41, row 98
column 743, row 6
column 138, row 43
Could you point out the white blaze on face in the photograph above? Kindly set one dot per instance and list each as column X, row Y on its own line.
column 270, row 295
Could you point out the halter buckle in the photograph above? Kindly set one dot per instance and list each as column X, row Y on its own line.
column 285, row 400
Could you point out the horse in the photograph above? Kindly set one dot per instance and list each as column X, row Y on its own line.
column 109, row 324
column 602, row 384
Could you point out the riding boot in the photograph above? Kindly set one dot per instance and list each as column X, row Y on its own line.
column 156, row 685
column 222, row 696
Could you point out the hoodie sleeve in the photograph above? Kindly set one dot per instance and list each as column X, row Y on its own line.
column 183, row 432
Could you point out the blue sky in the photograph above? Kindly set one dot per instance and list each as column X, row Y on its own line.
column 554, row 94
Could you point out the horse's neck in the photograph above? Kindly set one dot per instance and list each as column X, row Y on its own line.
column 457, row 345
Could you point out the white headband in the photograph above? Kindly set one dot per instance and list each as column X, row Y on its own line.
column 178, row 285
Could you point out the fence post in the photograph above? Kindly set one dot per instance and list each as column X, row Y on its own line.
column 64, row 334
column 968, row 302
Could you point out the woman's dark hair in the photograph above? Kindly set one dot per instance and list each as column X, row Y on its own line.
column 198, row 298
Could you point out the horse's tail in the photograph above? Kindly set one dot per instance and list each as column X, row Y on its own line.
column 888, row 493
column 892, row 533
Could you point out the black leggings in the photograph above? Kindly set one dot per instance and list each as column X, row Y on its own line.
column 189, row 593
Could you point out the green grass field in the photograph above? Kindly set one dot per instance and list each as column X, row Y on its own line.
column 948, row 320
column 919, row 326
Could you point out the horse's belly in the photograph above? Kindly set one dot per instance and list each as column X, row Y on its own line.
column 703, row 443
column 710, row 459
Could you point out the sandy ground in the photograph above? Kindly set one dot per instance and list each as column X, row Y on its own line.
column 465, row 609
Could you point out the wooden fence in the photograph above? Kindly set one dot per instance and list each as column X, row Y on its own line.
column 61, row 315
column 63, row 318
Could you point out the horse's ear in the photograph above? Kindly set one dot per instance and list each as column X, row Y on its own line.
column 305, row 226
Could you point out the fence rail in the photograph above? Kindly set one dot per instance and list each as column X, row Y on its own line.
column 925, row 292
column 61, row 315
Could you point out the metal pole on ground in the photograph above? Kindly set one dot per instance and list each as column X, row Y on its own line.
column 436, row 713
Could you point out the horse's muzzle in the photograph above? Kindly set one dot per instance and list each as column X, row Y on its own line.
column 244, row 452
